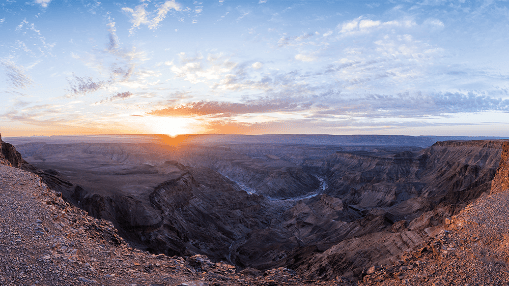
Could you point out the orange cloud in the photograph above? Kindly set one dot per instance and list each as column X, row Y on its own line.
column 226, row 109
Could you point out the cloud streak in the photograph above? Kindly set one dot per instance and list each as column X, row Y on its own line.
column 16, row 75
column 83, row 85
column 120, row 95
column 120, row 63
column 228, row 109
column 43, row 3
column 140, row 16
column 332, row 105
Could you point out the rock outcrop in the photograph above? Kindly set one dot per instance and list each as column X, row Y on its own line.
column 9, row 156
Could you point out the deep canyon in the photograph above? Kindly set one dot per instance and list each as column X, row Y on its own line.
column 324, row 206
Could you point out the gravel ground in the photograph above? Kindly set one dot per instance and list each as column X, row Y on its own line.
column 46, row 241
column 473, row 249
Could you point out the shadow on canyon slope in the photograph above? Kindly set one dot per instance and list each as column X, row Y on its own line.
column 324, row 210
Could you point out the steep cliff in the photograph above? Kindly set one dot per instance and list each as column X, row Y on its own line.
column 9, row 156
column 501, row 181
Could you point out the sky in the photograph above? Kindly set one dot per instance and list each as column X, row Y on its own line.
column 399, row 67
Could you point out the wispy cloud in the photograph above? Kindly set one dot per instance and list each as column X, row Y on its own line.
column 120, row 66
column 257, row 65
column 83, row 85
column 113, row 44
column 305, row 58
column 140, row 16
column 294, row 41
column 362, row 25
column 33, row 38
column 120, row 95
column 16, row 75
column 228, row 109
column 199, row 69
column 43, row 3
column 334, row 106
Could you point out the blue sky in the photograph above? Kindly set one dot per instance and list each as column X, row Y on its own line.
column 427, row 67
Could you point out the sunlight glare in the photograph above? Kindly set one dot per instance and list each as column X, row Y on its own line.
column 172, row 126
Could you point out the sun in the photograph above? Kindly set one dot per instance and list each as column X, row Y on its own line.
column 172, row 126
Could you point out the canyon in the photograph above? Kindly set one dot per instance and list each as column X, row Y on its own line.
column 329, row 208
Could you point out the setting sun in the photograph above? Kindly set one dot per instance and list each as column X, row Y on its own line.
column 172, row 126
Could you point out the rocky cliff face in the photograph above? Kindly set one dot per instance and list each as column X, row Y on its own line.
column 9, row 156
column 501, row 181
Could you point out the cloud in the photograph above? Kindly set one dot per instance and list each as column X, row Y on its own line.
column 113, row 44
column 162, row 11
column 360, row 25
column 120, row 95
column 56, row 119
column 434, row 2
column 411, row 105
column 434, row 23
column 349, row 26
column 305, row 58
column 228, row 109
column 222, row 74
column 366, row 24
column 290, row 126
column 16, row 75
column 244, row 14
column 139, row 16
column 43, row 3
column 334, row 106
column 32, row 37
column 328, row 33
column 198, row 69
column 294, row 41
column 117, row 63
column 257, row 65
column 83, row 85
